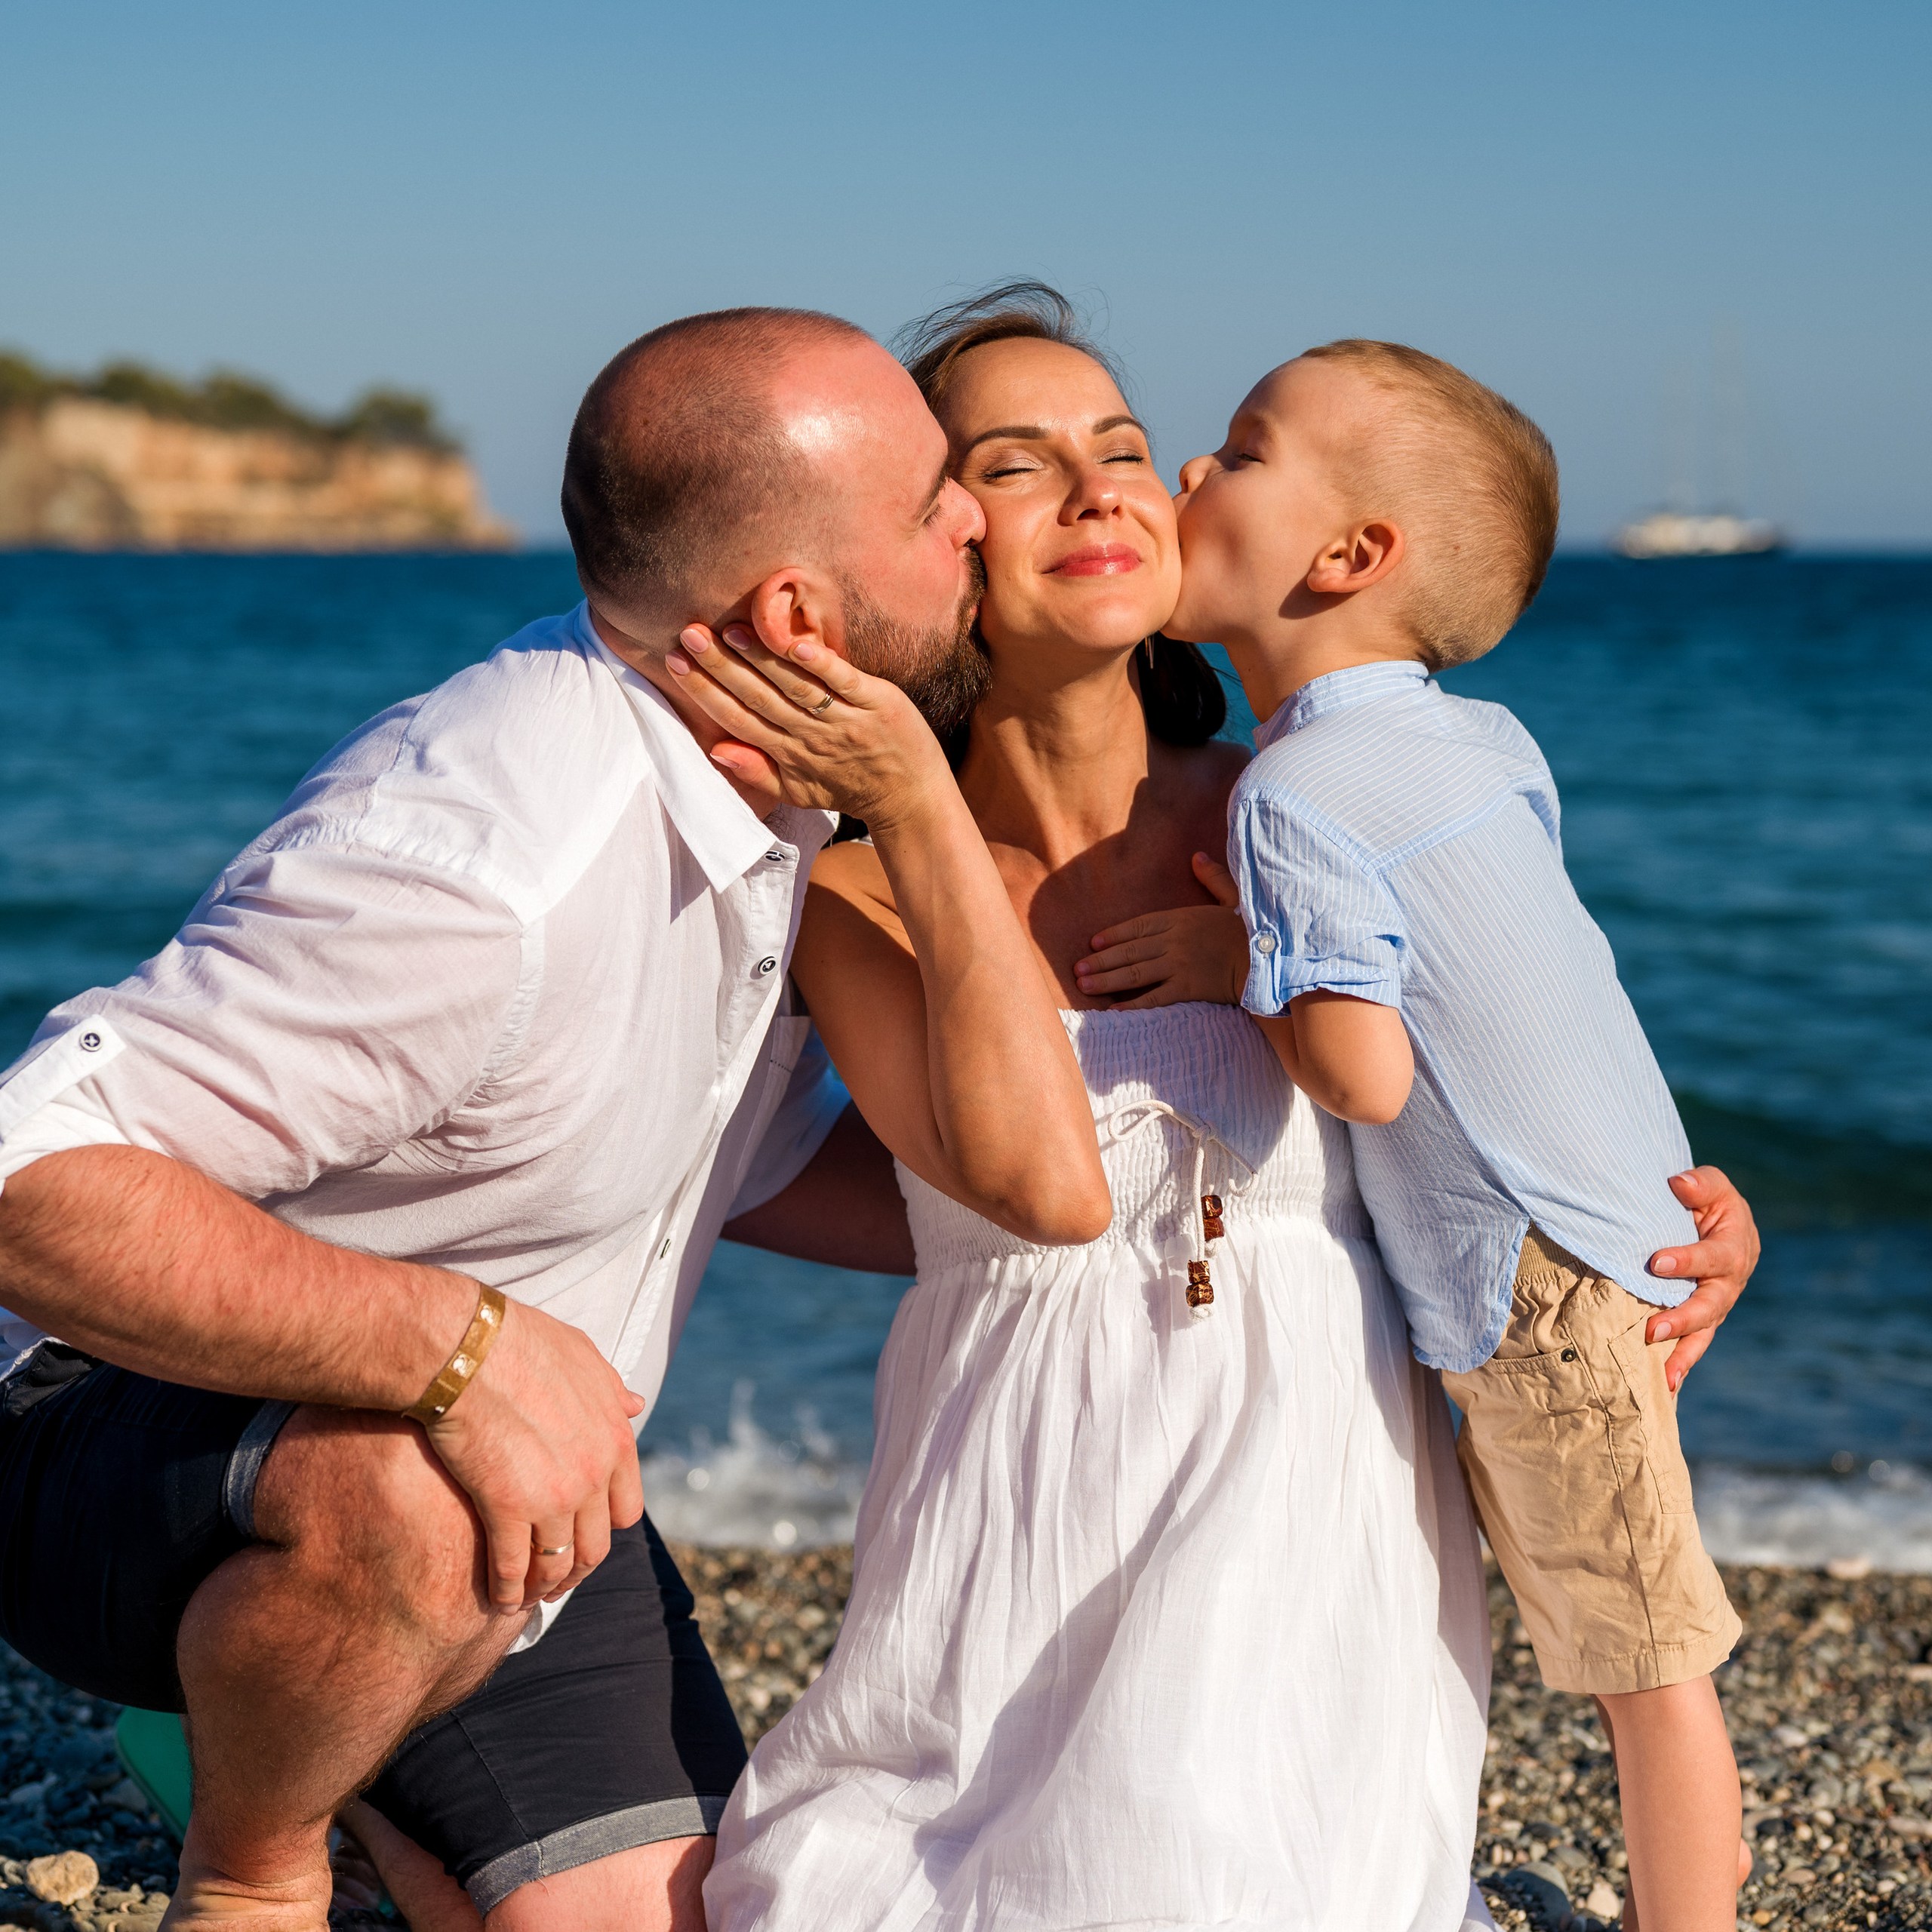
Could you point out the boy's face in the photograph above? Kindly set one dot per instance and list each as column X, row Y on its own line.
column 1254, row 516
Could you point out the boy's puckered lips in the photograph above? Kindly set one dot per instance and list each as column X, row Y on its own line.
column 1097, row 560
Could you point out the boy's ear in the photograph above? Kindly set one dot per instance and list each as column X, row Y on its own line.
column 798, row 605
column 1358, row 557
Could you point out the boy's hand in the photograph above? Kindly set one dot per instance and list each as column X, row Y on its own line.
column 1721, row 1259
column 1191, row 952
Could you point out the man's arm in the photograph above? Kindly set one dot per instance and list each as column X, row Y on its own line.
column 843, row 1209
column 1721, row 1260
column 140, row 1260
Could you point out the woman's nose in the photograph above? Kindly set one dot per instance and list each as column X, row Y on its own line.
column 1096, row 493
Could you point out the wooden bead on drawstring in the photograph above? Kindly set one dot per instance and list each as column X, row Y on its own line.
column 1212, row 1225
column 1200, row 1289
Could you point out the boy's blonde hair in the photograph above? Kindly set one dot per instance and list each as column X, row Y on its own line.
column 1474, row 482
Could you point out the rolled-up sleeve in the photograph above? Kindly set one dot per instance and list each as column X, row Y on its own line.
column 320, row 1006
column 1320, row 915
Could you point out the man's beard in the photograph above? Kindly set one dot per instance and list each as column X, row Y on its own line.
column 943, row 670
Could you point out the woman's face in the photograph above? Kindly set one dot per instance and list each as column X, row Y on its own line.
column 1080, row 546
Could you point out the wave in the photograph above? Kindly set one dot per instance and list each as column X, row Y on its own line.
column 756, row 1491
column 1845, row 1522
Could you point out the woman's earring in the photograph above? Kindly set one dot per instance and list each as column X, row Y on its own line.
column 1147, row 651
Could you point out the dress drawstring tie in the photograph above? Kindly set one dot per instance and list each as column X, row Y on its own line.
column 1208, row 1223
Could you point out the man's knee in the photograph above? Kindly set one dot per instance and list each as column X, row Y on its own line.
column 363, row 1498
column 650, row 1888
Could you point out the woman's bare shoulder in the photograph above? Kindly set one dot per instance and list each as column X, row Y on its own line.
column 1214, row 768
column 851, row 870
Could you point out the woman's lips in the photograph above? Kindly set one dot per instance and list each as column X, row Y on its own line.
column 1098, row 560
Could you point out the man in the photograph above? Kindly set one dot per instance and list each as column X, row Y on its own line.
column 494, row 1006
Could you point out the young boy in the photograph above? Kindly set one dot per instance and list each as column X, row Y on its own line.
column 1375, row 516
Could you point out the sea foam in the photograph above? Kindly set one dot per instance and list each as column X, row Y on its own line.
column 758, row 1491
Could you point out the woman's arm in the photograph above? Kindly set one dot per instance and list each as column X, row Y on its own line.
column 924, row 987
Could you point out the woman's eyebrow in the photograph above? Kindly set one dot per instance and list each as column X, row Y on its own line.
column 1037, row 432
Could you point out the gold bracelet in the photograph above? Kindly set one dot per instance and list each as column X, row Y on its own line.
column 485, row 1325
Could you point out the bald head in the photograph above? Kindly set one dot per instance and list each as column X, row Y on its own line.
column 696, row 457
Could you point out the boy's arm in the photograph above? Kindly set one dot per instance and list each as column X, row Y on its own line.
column 1351, row 1056
column 1324, row 981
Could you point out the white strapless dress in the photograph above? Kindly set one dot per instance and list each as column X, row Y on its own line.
column 1157, row 1620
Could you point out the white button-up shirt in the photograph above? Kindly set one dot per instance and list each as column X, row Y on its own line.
column 501, row 990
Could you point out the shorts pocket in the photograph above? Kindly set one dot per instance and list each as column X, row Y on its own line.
column 1641, row 1367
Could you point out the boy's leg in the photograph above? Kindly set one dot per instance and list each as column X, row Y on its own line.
column 1682, row 1810
column 1570, row 1444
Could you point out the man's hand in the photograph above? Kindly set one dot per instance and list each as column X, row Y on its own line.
column 140, row 1260
column 1721, row 1260
column 867, row 752
column 541, row 1442
column 1190, row 952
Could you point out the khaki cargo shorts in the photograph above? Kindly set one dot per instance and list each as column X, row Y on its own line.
column 1569, row 1441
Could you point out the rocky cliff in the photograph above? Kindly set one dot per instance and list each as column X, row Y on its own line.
column 78, row 472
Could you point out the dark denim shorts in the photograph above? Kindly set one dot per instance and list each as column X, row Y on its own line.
column 120, row 1495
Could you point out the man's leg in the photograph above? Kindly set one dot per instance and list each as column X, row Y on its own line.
column 575, row 1790
column 307, row 1657
column 650, row 1888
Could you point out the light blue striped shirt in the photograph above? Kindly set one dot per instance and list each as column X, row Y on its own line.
column 1402, row 845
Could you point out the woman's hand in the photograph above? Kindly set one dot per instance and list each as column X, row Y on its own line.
column 834, row 737
column 1191, row 952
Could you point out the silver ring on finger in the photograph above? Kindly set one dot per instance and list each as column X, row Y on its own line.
column 819, row 709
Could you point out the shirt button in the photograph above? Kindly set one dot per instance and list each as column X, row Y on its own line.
column 1264, row 944
column 768, row 965
column 666, row 1249
column 776, row 856
column 90, row 1043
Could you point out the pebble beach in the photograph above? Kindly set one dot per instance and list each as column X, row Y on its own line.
column 1829, row 1699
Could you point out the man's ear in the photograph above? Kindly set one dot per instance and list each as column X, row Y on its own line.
column 798, row 605
column 1358, row 557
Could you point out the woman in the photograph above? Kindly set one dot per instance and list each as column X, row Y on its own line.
column 1157, row 1620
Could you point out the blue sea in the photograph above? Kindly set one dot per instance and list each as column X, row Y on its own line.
column 1745, row 754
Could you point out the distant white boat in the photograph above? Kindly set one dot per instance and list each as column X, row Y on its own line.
column 1679, row 533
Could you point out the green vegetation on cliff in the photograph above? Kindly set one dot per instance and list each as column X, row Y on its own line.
column 226, row 401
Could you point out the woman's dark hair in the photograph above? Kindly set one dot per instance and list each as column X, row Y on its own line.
column 1180, row 694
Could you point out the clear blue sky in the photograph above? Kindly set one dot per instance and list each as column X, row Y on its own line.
column 485, row 201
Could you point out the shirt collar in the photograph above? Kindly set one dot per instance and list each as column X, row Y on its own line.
column 725, row 836
column 1338, row 690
